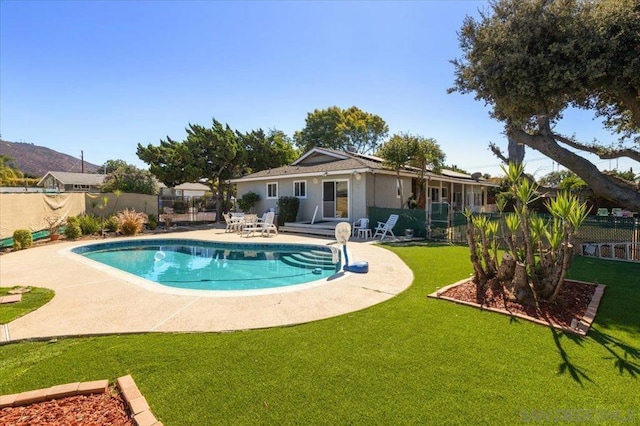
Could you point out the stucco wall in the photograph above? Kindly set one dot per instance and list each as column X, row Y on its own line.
column 370, row 190
column 385, row 192
column 29, row 210
column 95, row 203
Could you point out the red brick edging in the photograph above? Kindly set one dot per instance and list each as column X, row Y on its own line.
column 140, row 411
column 582, row 326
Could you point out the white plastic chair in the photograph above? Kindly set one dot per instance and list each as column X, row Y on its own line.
column 264, row 227
column 362, row 223
column 386, row 227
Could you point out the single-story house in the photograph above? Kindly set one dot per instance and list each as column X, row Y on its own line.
column 193, row 189
column 71, row 182
column 341, row 186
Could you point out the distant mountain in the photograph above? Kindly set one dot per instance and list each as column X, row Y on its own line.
column 33, row 160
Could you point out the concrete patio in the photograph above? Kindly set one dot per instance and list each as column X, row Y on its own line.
column 91, row 299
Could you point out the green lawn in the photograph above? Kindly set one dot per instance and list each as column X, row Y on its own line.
column 411, row 360
column 30, row 302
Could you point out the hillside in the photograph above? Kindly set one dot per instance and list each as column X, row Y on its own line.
column 33, row 160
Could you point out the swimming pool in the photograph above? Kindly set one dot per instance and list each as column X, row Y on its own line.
column 206, row 265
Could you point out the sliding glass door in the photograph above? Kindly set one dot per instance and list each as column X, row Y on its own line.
column 335, row 199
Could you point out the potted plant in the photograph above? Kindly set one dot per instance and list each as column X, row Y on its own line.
column 54, row 222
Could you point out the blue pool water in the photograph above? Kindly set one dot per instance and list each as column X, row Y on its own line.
column 204, row 265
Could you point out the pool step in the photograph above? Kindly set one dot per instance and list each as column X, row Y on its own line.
column 296, row 260
column 315, row 257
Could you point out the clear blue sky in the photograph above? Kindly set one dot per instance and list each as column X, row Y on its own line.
column 103, row 76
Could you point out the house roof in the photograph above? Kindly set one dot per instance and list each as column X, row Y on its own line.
column 69, row 178
column 320, row 161
column 188, row 186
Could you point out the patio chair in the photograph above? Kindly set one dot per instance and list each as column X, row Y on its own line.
column 265, row 227
column 229, row 222
column 362, row 223
column 386, row 227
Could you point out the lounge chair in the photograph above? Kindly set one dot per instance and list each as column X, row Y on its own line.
column 265, row 227
column 386, row 227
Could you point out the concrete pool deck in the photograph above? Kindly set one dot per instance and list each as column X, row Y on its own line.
column 91, row 300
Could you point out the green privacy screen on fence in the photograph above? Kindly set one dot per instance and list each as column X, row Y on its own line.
column 452, row 225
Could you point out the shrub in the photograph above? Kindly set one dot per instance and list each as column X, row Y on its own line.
column 288, row 209
column 22, row 239
column 111, row 225
column 89, row 224
column 179, row 206
column 247, row 201
column 153, row 221
column 131, row 222
column 72, row 231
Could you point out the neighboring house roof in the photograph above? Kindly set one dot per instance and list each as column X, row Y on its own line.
column 68, row 178
column 189, row 186
column 321, row 161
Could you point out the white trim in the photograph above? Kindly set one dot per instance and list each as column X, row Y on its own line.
column 267, row 196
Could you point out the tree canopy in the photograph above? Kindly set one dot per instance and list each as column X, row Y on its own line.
column 348, row 130
column 128, row 178
column 263, row 151
column 215, row 154
column 405, row 149
column 8, row 172
column 532, row 60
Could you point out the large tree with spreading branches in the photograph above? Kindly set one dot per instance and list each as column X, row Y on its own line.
column 532, row 60
column 208, row 153
column 348, row 129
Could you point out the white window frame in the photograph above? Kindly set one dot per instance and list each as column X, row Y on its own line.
column 298, row 193
column 269, row 195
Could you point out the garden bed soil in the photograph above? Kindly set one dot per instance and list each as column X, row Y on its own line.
column 574, row 311
column 98, row 409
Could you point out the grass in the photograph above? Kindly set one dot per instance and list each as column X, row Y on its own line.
column 30, row 302
column 410, row 360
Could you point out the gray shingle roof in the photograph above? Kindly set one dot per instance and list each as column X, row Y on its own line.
column 68, row 178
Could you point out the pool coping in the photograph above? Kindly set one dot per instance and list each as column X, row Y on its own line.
column 90, row 301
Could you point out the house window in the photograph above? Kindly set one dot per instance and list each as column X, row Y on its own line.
column 435, row 195
column 272, row 190
column 445, row 193
column 300, row 189
column 78, row 186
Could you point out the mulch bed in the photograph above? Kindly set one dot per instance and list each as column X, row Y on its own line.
column 97, row 409
column 572, row 303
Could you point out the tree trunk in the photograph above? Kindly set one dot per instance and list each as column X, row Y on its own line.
column 507, row 268
column 480, row 278
column 602, row 185
column 521, row 288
